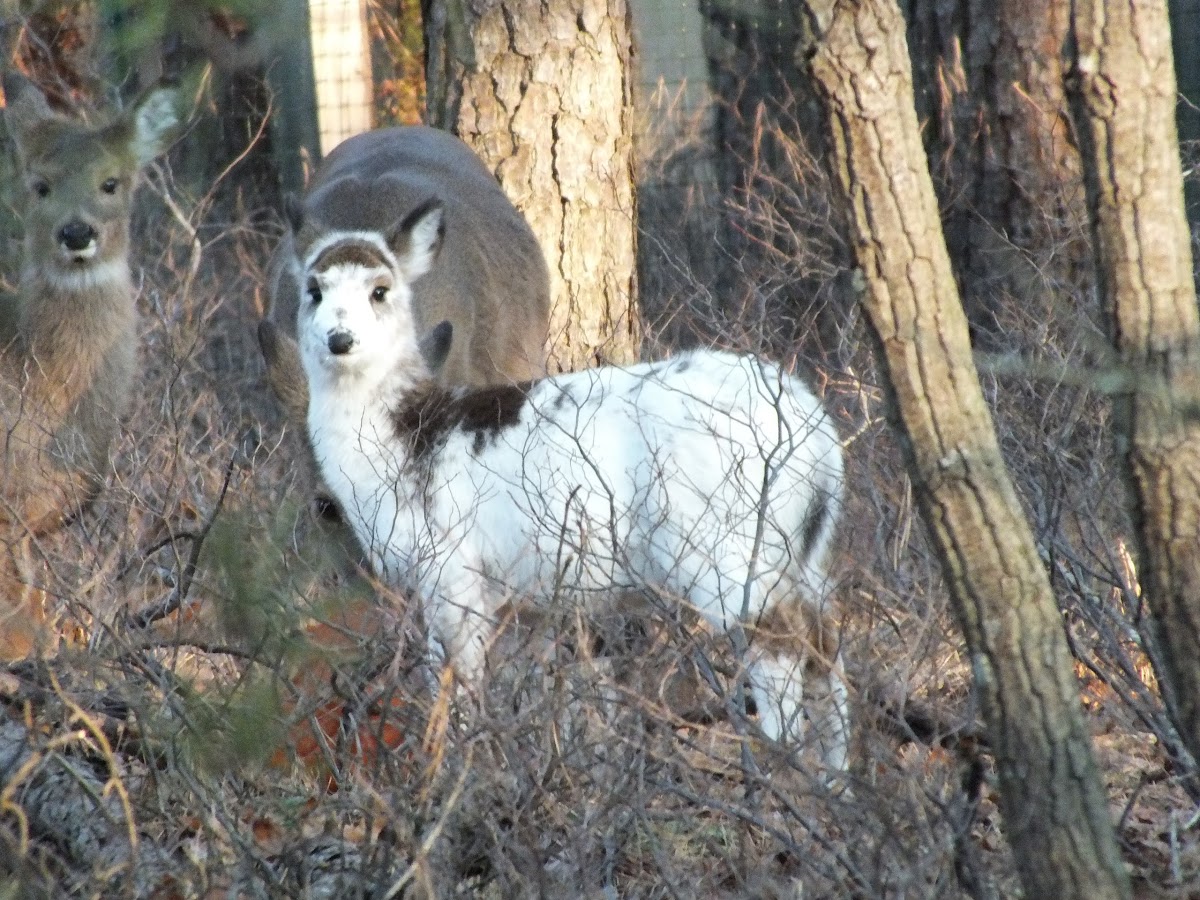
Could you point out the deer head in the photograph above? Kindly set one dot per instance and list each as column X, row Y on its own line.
column 80, row 176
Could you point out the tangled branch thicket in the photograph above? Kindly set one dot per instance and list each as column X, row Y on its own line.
column 236, row 709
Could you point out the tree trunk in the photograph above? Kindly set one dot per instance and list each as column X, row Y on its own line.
column 767, row 127
column 1185, row 37
column 542, row 93
column 990, row 89
column 1054, row 806
column 1124, row 105
column 750, row 46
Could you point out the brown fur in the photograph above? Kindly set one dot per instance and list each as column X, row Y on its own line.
column 789, row 625
column 347, row 253
column 816, row 520
column 428, row 417
column 490, row 279
column 69, row 354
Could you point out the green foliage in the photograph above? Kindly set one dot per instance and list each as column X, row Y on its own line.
column 137, row 25
column 267, row 575
column 270, row 568
column 231, row 729
column 253, row 601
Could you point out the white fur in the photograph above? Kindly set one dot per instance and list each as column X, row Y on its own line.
column 113, row 273
column 78, row 255
column 692, row 477
column 346, row 306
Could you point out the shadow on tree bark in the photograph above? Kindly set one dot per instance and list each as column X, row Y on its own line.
column 1051, row 796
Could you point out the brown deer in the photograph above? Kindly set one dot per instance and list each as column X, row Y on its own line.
column 490, row 280
column 68, row 336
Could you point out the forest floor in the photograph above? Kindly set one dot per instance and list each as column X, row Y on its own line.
column 235, row 709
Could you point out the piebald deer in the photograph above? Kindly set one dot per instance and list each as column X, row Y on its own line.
column 490, row 281
column 713, row 478
column 68, row 337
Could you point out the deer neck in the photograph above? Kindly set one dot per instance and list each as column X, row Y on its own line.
column 69, row 323
column 354, row 434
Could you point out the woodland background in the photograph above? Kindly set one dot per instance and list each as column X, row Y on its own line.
column 233, row 712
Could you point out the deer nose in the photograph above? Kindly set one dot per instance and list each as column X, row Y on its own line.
column 340, row 342
column 77, row 235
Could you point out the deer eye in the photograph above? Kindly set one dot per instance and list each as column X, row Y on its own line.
column 379, row 294
column 314, row 292
column 110, row 185
column 41, row 187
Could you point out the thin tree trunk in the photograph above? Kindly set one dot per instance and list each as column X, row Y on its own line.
column 1124, row 106
column 543, row 95
column 1054, row 806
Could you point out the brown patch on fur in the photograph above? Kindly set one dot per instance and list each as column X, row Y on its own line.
column 428, row 418
column 791, row 626
column 816, row 520
column 350, row 252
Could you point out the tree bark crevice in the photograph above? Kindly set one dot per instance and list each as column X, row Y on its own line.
column 1122, row 93
column 1051, row 796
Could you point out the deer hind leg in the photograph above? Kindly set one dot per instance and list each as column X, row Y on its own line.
column 798, row 682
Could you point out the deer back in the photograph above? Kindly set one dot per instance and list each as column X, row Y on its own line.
column 490, row 279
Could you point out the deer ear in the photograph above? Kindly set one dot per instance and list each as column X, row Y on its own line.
column 417, row 238
column 159, row 116
column 26, row 110
column 268, row 341
column 435, row 345
column 293, row 211
column 285, row 371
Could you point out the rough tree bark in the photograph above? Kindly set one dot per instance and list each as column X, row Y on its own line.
column 1124, row 106
column 1185, row 37
column 1051, row 797
column 989, row 77
column 542, row 93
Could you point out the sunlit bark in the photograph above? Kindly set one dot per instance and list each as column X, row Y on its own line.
column 1054, row 807
column 543, row 94
column 1124, row 107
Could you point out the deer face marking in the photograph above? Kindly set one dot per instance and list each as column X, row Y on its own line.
column 356, row 305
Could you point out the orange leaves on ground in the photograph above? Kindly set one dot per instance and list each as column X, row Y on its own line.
column 344, row 730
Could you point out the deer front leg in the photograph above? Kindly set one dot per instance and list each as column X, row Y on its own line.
column 797, row 678
column 461, row 620
column 285, row 372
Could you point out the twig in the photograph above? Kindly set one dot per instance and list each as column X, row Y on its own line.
column 197, row 248
column 78, row 714
column 1137, row 792
column 174, row 600
column 435, row 832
